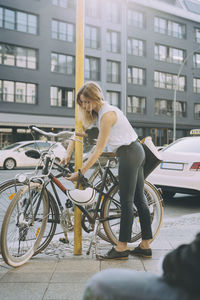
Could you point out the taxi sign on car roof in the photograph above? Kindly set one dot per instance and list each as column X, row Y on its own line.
column 195, row 132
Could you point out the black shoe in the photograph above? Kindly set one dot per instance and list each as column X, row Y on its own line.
column 113, row 254
column 141, row 252
column 64, row 241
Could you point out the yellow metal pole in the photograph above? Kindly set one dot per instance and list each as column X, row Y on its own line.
column 79, row 74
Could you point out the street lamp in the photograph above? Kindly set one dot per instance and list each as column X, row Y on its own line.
column 175, row 90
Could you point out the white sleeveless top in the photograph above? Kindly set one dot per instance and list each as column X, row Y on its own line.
column 121, row 133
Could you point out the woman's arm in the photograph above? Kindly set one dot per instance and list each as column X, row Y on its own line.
column 69, row 151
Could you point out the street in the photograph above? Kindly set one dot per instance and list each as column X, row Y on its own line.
column 179, row 206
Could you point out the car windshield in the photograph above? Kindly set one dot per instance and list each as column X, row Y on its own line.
column 191, row 144
column 11, row 146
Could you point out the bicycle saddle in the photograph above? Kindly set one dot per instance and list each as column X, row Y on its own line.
column 82, row 197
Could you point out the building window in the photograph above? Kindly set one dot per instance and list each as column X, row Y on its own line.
column 136, row 75
column 196, row 85
column 17, row 20
column 169, row 54
column 196, row 60
column 18, row 92
column 11, row 55
column 113, row 71
column 197, row 35
column 64, row 3
column 136, row 18
column 197, row 111
column 113, row 41
column 165, row 108
column 136, row 47
column 92, row 8
column 62, row 97
column 113, row 98
column 92, row 68
column 113, row 12
column 169, row 81
column 62, row 31
column 62, row 63
column 136, row 105
column 92, row 37
column 170, row 28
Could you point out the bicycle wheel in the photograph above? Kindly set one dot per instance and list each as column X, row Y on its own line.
column 96, row 180
column 111, row 210
column 24, row 224
column 8, row 190
column 51, row 225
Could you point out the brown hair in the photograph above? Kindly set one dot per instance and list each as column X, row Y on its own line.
column 90, row 90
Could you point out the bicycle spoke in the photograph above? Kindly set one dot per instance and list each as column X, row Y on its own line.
column 21, row 231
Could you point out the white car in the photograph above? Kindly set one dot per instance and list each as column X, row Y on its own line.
column 179, row 171
column 14, row 155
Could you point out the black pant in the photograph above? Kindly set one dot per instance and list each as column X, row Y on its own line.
column 131, row 184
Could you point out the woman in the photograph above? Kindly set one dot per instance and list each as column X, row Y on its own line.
column 117, row 134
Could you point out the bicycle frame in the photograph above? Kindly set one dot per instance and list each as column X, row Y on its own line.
column 101, row 194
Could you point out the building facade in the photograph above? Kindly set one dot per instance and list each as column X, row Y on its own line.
column 139, row 51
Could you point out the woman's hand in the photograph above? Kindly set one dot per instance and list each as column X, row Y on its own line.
column 65, row 160
column 72, row 176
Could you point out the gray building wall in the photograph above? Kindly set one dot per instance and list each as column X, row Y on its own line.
column 14, row 115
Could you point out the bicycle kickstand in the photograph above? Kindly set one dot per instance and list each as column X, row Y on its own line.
column 94, row 239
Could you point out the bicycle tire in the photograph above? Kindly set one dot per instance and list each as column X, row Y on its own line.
column 96, row 180
column 8, row 190
column 111, row 207
column 22, row 231
column 51, row 225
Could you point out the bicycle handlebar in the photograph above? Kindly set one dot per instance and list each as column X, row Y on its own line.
column 51, row 134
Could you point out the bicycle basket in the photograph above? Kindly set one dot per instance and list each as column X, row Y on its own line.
column 82, row 197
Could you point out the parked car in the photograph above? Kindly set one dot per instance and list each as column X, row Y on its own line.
column 179, row 171
column 14, row 155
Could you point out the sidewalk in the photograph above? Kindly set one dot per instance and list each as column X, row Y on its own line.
column 59, row 275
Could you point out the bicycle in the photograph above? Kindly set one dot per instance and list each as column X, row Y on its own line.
column 34, row 207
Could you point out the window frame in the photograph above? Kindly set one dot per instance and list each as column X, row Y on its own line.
column 16, row 22
column 140, row 78
column 169, row 28
column 15, row 97
column 67, row 33
column 111, row 76
column 67, row 66
column 90, row 74
column 140, row 109
column 62, row 102
column 168, row 110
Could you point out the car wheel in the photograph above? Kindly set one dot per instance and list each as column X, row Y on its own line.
column 9, row 164
column 168, row 195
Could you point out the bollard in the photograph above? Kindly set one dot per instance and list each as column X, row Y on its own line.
column 78, row 125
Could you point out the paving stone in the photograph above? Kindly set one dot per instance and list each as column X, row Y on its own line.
column 64, row 291
column 22, row 291
column 131, row 263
